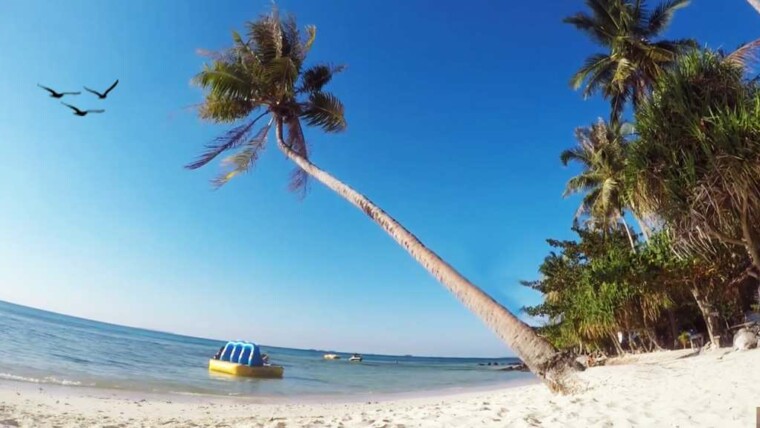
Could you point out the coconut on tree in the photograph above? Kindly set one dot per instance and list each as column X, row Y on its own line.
column 263, row 84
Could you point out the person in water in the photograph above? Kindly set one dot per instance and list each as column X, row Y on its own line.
column 218, row 354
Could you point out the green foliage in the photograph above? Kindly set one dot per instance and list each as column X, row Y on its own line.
column 696, row 163
column 632, row 61
column 601, row 152
column 595, row 287
column 262, row 74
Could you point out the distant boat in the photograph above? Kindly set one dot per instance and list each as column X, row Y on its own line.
column 331, row 357
column 356, row 358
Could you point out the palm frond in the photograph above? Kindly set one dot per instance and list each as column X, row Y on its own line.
column 224, row 109
column 591, row 66
column 230, row 140
column 293, row 45
column 589, row 25
column 581, row 183
column 326, row 111
column 574, row 154
column 311, row 34
column 282, row 72
column 747, row 55
column 242, row 161
column 662, row 15
column 623, row 71
column 265, row 36
column 316, row 77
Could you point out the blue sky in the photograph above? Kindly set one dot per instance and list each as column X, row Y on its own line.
column 457, row 114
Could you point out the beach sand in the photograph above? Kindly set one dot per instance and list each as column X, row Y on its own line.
column 715, row 389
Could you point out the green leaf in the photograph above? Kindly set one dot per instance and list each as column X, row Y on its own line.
column 316, row 77
column 324, row 110
column 242, row 161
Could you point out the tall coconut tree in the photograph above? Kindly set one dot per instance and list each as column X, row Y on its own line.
column 263, row 81
column 633, row 59
column 601, row 154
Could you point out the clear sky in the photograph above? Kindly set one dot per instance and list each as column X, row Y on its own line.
column 457, row 113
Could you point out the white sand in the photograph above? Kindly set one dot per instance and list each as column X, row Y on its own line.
column 716, row 389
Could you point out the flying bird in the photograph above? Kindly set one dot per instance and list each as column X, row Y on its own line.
column 54, row 94
column 81, row 112
column 104, row 94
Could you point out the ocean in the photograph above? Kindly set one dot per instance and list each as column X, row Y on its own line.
column 49, row 348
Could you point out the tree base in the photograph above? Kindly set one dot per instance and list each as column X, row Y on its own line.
column 559, row 373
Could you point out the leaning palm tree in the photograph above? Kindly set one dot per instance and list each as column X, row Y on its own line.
column 601, row 153
column 263, row 80
column 625, row 72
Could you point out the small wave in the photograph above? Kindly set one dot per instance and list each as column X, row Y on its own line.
column 46, row 379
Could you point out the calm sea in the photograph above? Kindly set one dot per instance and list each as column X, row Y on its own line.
column 45, row 347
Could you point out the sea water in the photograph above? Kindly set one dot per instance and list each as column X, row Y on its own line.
column 45, row 347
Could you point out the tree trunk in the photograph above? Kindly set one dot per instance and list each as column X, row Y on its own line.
column 749, row 237
column 709, row 314
column 755, row 4
column 616, row 344
column 628, row 232
column 673, row 328
column 551, row 366
column 652, row 336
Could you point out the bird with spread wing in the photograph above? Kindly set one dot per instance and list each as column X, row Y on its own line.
column 55, row 94
column 103, row 95
column 79, row 112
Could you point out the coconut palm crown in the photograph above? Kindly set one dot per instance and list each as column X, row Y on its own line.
column 627, row 28
column 601, row 152
column 264, row 75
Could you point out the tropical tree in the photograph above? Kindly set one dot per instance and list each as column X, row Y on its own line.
column 632, row 60
column 264, row 77
column 595, row 287
column 601, row 153
column 697, row 158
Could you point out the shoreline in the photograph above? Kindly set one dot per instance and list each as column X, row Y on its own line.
column 670, row 388
column 195, row 397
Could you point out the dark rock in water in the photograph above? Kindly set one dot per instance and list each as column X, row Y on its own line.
column 520, row 367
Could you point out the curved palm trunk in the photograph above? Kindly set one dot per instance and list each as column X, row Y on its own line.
column 547, row 363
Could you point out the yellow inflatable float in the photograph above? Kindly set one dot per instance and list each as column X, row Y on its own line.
column 243, row 359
